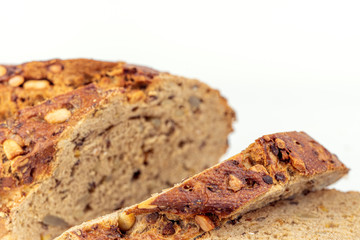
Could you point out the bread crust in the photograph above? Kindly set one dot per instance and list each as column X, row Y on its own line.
column 62, row 76
column 40, row 136
column 273, row 162
column 216, row 197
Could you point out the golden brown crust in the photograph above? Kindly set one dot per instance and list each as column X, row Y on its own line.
column 39, row 137
column 18, row 88
column 206, row 200
column 211, row 193
column 96, row 231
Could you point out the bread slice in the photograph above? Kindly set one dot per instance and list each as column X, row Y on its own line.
column 276, row 166
column 326, row 214
column 104, row 146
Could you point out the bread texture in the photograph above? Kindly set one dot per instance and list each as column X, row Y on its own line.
column 276, row 166
column 326, row 214
column 102, row 144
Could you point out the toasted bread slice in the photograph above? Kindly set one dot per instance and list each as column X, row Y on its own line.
column 275, row 167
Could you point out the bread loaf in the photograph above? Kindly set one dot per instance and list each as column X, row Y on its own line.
column 113, row 134
column 276, row 166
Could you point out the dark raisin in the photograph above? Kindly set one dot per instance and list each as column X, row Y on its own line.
column 267, row 179
column 292, row 197
column 310, row 183
column 272, row 204
column 14, row 97
column 92, row 186
column 88, row 208
column 274, row 150
column 168, row 229
column 235, row 162
column 152, row 98
column 170, row 126
column 294, row 203
column 280, row 177
column 188, row 188
column 108, row 143
column 315, row 153
column 250, row 183
column 136, row 175
column 58, row 131
column 231, row 222
column 306, row 192
column 134, row 109
column 212, row 188
column 290, row 171
column 181, row 144
column 152, row 217
column 57, row 182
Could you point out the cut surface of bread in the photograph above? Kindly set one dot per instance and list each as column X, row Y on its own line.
column 326, row 214
column 99, row 148
column 276, row 166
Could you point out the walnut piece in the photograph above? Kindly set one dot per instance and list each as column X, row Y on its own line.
column 234, row 183
column 115, row 72
column 168, row 229
column 280, row 143
column 267, row 138
column 259, row 168
column 204, row 222
column 298, row 164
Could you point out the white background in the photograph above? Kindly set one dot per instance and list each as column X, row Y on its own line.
column 283, row 65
